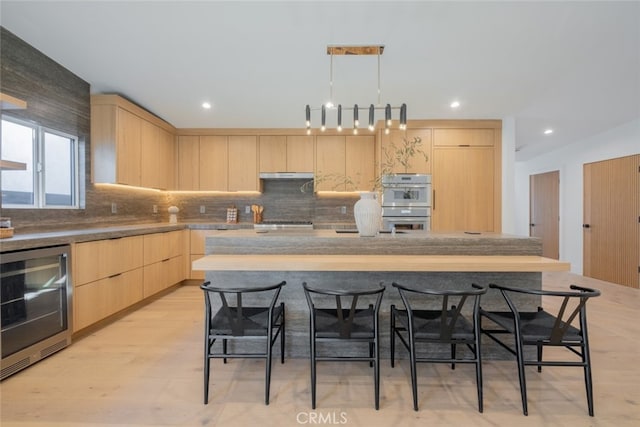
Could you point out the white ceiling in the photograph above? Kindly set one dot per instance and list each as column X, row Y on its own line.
column 570, row 66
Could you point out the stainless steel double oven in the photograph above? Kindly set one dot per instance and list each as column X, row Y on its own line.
column 406, row 201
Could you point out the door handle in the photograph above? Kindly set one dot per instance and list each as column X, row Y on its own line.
column 586, row 226
column 532, row 225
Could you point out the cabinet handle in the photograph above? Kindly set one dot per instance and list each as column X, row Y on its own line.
column 433, row 201
column 115, row 275
column 165, row 260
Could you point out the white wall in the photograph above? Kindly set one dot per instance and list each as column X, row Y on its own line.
column 617, row 142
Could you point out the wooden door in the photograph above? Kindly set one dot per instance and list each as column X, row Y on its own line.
column 360, row 162
column 330, row 163
column 188, row 148
column 214, row 163
column 273, row 153
column 611, row 226
column 463, row 189
column 300, row 153
column 243, row 163
column 128, row 149
column 544, row 211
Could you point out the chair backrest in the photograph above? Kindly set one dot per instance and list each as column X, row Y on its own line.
column 342, row 298
column 572, row 304
column 451, row 306
column 232, row 308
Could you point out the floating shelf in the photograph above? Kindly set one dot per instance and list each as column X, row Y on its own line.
column 8, row 102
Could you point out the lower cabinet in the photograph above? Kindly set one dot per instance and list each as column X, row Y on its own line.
column 97, row 300
column 111, row 275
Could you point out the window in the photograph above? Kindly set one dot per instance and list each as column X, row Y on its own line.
column 44, row 168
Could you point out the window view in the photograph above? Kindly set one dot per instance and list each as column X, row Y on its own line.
column 43, row 169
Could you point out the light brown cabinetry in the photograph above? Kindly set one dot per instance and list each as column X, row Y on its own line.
column 279, row 153
column 217, row 163
column 418, row 163
column 214, row 163
column 129, row 145
column 112, row 275
column 345, row 163
column 466, row 180
column 163, row 261
column 107, row 278
column 243, row 163
column 188, row 152
column 157, row 161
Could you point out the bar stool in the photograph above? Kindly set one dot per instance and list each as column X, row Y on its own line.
column 238, row 322
column 543, row 328
column 344, row 315
column 420, row 323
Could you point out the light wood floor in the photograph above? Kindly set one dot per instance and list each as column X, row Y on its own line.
column 145, row 369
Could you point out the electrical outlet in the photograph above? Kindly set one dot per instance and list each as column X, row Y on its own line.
column 247, row 209
column 155, row 209
column 202, row 209
column 343, row 210
column 114, row 208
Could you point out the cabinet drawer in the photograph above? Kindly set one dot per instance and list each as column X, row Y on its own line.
column 463, row 137
column 163, row 274
column 161, row 246
column 103, row 258
column 97, row 300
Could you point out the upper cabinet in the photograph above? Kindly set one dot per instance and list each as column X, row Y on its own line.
column 391, row 143
column 243, row 163
column 217, row 163
column 345, row 163
column 279, row 153
column 130, row 145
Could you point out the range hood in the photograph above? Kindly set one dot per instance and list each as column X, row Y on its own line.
column 286, row 175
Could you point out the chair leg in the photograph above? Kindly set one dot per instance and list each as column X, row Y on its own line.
column 376, row 373
column 371, row 345
column 282, row 335
column 479, row 375
column 586, row 358
column 414, row 376
column 521, row 373
column 206, row 377
column 392, row 336
column 312, row 357
column 224, row 350
column 539, row 357
column 267, row 382
column 453, row 356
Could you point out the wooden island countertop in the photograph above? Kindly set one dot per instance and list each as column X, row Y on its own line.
column 415, row 263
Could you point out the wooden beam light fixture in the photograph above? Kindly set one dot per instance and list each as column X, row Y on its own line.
column 377, row 50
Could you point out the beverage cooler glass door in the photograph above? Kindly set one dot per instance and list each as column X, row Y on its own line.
column 35, row 306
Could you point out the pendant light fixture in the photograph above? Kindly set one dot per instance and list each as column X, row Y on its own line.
column 329, row 106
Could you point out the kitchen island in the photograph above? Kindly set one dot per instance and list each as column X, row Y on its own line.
column 326, row 257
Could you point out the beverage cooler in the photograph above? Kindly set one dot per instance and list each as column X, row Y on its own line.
column 35, row 295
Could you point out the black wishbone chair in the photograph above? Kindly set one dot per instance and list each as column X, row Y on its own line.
column 350, row 318
column 238, row 322
column 566, row 328
column 419, row 324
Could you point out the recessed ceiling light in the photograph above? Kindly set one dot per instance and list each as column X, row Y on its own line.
column 548, row 131
column 455, row 104
column 206, row 105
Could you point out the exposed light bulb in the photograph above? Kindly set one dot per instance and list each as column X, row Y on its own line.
column 339, row 128
column 386, row 131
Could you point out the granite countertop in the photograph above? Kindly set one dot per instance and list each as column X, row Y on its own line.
column 65, row 237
